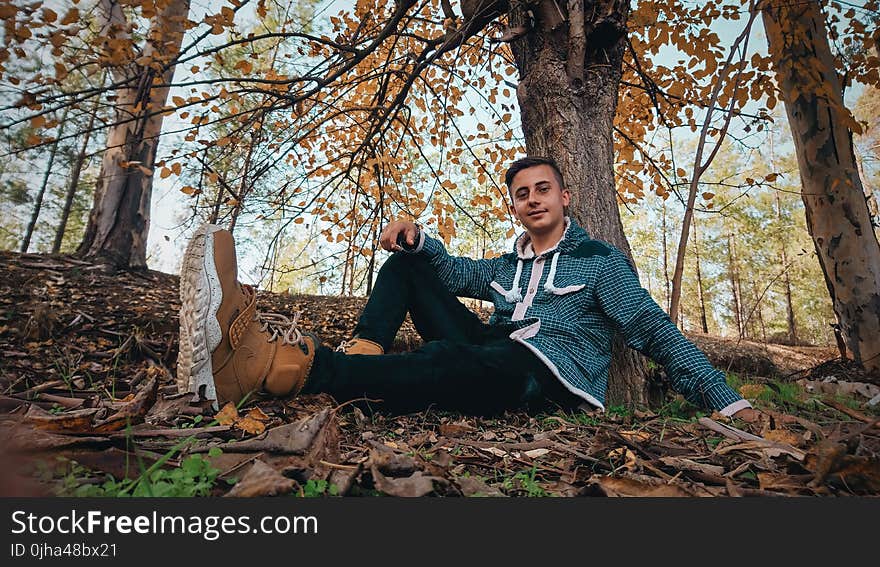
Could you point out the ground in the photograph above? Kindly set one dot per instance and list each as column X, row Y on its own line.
column 89, row 406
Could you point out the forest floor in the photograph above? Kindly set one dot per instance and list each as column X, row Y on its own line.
column 89, row 406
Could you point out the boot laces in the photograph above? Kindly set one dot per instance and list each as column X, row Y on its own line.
column 345, row 345
column 280, row 326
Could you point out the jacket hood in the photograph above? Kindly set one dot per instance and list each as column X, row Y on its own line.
column 573, row 236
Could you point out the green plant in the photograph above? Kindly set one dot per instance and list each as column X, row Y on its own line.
column 315, row 488
column 679, row 409
column 193, row 421
column 525, row 481
column 619, row 410
column 782, row 394
column 194, row 477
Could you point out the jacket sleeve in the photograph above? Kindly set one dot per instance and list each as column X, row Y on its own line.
column 648, row 329
column 464, row 277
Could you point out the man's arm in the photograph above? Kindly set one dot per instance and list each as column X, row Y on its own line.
column 464, row 277
column 648, row 329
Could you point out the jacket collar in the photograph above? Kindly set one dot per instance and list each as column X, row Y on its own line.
column 523, row 246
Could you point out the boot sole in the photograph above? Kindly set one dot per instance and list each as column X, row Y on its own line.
column 200, row 297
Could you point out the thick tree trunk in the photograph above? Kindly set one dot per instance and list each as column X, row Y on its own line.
column 569, row 78
column 120, row 218
column 834, row 201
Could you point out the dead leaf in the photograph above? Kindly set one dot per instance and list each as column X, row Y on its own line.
column 612, row 486
column 418, row 484
column 76, row 421
column 769, row 448
column 390, row 463
column 472, row 486
column 261, row 480
column 624, row 453
column 635, row 436
column 455, row 429
column 24, row 439
column 227, row 414
column 250, row 425
column 784, row 436
column 133, row 411
column 292, row 438
column 535, row 453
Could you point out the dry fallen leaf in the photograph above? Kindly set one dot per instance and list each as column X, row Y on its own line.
column 227, row 414
column 261, row 480
column 413, row 486
column 611, row 486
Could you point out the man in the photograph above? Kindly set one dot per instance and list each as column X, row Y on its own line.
column 558, row 298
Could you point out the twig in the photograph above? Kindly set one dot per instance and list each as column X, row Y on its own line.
column 728, row 431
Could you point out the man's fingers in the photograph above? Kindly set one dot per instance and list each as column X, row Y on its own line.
column 411, row 234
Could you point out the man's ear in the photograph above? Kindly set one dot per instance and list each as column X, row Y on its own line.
column 512, row 210
column 566, row 197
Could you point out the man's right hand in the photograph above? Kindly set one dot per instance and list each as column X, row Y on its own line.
column 388, row 238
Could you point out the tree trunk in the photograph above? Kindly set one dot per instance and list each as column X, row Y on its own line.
column 120, row 218
column 786, row 281
column 703, row 322
column 665, row 260
column 38, row 202
column 834, row 200
column 74, row 178
column 734, row 285
column 569, row 78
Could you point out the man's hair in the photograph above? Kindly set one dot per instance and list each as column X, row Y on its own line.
column 527, row 162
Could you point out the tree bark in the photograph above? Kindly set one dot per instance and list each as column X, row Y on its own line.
column 38, row 202
column 567, row 114
column 119, row 221
column 734, row 284
column 834, row 200
column 74, row 179
column 703, row 322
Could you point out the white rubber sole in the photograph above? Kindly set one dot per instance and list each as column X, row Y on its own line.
column 200, row 297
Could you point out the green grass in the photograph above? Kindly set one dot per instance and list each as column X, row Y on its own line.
column 194, row 477
column 524, row 483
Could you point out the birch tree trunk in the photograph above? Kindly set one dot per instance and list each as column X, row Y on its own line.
column 834, row 200
column 569, row 65
column 119, row 221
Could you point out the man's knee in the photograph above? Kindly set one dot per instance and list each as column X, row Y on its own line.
column 405, row 264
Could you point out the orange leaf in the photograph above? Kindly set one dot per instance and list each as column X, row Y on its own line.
column 227, row 414
column 72, row 16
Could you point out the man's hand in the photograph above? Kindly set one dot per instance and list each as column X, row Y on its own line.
column 749, row 415
column 388, row 238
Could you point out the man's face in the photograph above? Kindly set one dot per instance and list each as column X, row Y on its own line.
column 538, row 200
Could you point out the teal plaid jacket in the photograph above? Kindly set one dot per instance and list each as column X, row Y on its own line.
column 565, row 304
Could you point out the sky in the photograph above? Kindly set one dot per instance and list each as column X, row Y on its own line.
column 167, row 238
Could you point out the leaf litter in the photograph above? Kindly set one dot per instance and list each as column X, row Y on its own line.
column 88, row 377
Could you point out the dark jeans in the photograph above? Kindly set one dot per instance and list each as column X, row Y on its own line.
column 464, row 365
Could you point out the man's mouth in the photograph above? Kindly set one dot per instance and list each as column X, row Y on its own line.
column 537, row 212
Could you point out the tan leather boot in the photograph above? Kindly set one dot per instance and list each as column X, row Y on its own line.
column 358, row 345
column 227, row 348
